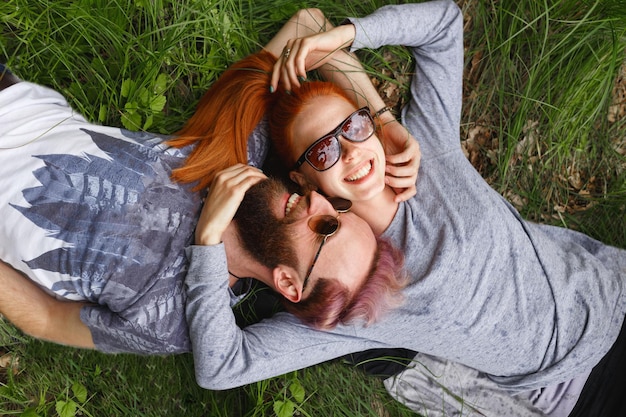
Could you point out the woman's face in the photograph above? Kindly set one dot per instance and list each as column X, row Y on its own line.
column 359, row 174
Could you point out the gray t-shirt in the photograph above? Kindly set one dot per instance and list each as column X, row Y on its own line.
column 529, row 305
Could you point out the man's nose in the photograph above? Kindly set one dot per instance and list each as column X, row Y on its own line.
column 319, row 204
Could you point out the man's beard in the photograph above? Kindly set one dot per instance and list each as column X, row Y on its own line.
column 261, row 233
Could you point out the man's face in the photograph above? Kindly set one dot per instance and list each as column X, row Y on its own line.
column 261, row 232
column 273, row 227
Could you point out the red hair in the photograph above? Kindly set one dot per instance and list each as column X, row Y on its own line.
column 288, row 105
column 225, row 117
column 231, row 109
column 331, row 303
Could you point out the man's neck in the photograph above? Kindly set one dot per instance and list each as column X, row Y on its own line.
column 240, row 262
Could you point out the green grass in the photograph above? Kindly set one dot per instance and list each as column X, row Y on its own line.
column 539, row 87
column 127, row 385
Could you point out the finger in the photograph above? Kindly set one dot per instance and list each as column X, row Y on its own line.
column 283, row 74
column 251, row 180
column 275, row 76
column 290, row 63
column 231, row 193
column 403, row 158
column 401, row 171
column 232, row 170
column 410, row 153
column 400, row 182
column 285, row 79
column 300, row 61
column 226, row 175
column 405, row 194
column 228, row 181
column 245, row 178
column 245, row 174
column 279, row 73
column 225, row 196
column 300, row 65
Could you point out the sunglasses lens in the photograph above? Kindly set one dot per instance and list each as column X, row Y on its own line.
column 324, row 153
column 341, row 205
column 324, row 225
column 359, row 127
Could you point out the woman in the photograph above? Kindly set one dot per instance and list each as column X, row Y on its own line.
column 530, row 305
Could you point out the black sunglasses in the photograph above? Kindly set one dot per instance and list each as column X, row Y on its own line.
column 324, row 153
column 326, row 225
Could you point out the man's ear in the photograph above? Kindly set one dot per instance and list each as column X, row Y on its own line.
column 299, row 179
column 287, row 283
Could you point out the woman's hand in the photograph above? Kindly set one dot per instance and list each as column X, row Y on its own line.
column 402, row 153
column 301, row 55
column 222, row 201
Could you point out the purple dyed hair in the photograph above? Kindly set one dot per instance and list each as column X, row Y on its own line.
column 331, row 303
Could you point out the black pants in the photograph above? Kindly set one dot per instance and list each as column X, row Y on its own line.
column 604, row 393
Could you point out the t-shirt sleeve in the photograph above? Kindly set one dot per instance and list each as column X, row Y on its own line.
column 153, row 324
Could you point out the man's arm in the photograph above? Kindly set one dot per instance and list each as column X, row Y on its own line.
column 40, row 315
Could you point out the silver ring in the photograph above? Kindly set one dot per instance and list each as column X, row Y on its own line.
column 286, row 52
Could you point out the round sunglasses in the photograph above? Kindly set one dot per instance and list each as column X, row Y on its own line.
column 326, row 225
column 324, row 153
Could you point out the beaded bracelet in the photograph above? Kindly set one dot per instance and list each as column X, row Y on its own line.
column 381, row 111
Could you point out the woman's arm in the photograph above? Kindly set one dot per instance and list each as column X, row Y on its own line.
column 226, row 356
column 433, row 30
column 334, row 63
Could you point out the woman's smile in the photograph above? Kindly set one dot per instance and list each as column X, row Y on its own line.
column 362, row 172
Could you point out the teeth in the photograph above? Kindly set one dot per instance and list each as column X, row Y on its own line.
column 360, row 173
column 292, row 202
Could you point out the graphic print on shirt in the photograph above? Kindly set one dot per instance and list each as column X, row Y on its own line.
column 122, row 219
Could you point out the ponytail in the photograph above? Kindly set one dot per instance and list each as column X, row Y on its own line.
column 226, row 116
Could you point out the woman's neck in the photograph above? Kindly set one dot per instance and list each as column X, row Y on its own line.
column 379, row 211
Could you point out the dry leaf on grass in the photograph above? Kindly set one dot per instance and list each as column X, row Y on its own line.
column 10, row 361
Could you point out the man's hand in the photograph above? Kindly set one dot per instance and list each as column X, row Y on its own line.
column 402, row 152
column 222, row 201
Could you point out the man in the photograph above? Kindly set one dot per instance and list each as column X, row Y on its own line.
column 93, row 216
column 124, row 245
